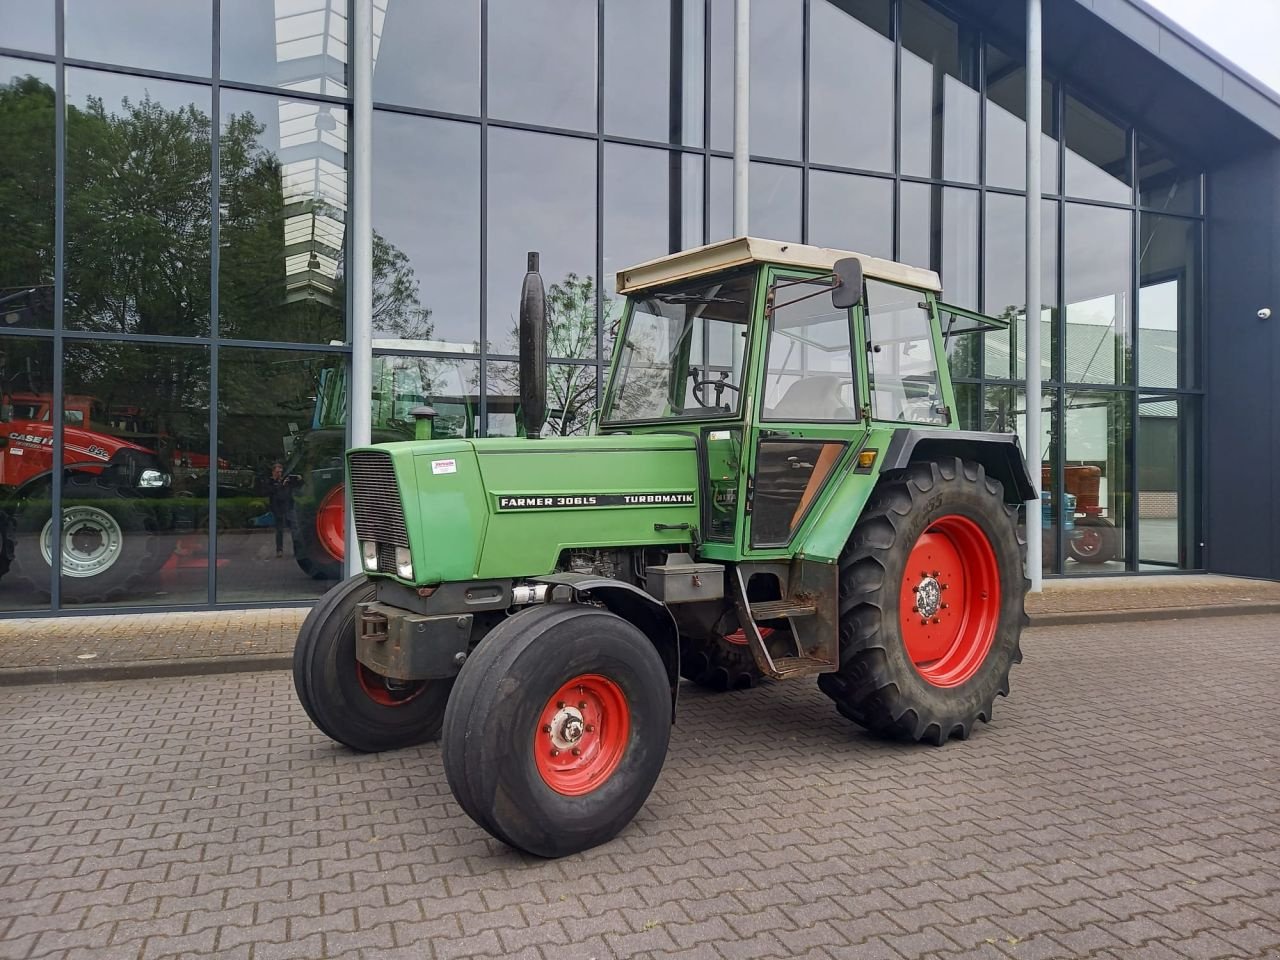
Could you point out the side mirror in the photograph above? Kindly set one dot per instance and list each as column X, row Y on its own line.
column 846, row 292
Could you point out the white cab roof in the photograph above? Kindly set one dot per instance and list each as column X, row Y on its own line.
column 740, row 251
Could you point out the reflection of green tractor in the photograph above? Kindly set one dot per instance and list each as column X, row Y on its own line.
column 318, row 524
column 776, row 480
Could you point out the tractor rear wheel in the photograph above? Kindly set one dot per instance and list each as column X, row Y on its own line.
column 719, row 662
column 349, row 702
column 557, row 728
column 317, row 534
column 931, row 604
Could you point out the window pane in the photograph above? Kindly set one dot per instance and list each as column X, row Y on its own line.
column 428, row 55
column 939, row 95
column 283, row 207
column 968, row 406
column 649, row 46
column 904, row 368
column 27, row 367
column 1006, row 153
column 1097, row 263
column 851, row 213
column 300, row 45
column 1166, row 514
column 27, row 115
column 720, row 200
column 1097, row 156
column 426, row 232
column 176, row 36
column 27, row 24
column 450, row 387
column 1005, row 411
column 1004, row 264
column 1168, row 301
column 1167, row 183
column 789, row 475
column 774, row 202
column 138, row 208
column 542, row 196
column 939, row 230
column 279, row 532
column 1096, row 472
column 777, row 61
column 850, row 52
column 135, row 498
column 571, row 398
column 809, row 364
column 720, row 71
column 652, row 206
column 542, row 62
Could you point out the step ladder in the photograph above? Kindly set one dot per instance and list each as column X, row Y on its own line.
column 799, row 661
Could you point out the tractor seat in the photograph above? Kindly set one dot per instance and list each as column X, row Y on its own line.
column 812, row 398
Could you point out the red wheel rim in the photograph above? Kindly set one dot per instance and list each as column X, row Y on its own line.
column 739, row 638
column 1088, row 541
column 949, row 606
column 581, row 735
column 331, row 521
column 387, row 692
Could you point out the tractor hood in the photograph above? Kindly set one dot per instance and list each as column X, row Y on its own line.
column 505, row 508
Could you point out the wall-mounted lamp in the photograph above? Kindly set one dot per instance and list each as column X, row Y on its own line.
column 1264, row 313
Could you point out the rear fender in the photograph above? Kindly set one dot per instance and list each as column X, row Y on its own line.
column 999, row 453
column 635, row 606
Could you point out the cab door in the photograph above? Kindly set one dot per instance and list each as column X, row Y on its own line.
column 808, row 418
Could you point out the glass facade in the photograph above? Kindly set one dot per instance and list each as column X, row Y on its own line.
column 173, row 269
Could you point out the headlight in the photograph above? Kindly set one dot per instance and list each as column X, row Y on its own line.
column 404, row 563
column 153, row 478
column 369, row 554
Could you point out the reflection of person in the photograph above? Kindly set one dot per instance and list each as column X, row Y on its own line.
column 280, row 497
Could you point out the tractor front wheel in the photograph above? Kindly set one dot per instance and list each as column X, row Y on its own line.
column 349, row 702
column 557, row 728
column 931, row 604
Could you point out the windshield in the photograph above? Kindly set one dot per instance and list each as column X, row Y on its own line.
column 682, row 352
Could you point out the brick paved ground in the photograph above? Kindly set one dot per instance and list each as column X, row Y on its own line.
column 90, row 641
column 1125, row 803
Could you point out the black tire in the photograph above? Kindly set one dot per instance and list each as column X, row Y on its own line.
column 308, row 552
column 97, row 504
column 718, row 664
column 491, row 727
column 327, row 678
column 1100, row 543
column 878, row 685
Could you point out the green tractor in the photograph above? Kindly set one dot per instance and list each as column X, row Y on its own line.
column 775, row 488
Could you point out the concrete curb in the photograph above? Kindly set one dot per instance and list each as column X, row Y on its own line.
column 255, row 663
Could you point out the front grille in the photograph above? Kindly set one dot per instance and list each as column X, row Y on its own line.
column 375, row 499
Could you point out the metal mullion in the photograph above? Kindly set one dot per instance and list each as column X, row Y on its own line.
column 706, row 120
column 484, row 220
column 339, row 348
column 16, row 54
column 59, row 292
column 895, row 26
column 1058, row 353
column 599, row 232
column 125, row 610
column 121, row 68
column 982, row 202
column 805, row 28
column 856, row 171
column 211, row 509
column 1199, row 473
column 46, row 333
column 1132, row 542
column 541, row 128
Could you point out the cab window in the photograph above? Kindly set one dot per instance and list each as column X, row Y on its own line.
column 904, row 367
column 809, row 363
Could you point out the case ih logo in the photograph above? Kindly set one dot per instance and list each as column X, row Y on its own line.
column 28, row 438
column 580, row 500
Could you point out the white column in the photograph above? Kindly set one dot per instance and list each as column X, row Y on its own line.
column 741, row 114
column 360, row 244
column 1035, row 540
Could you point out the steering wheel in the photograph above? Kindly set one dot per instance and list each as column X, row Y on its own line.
column 720, row 386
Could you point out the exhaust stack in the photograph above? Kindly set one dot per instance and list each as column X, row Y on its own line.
column 533, row 350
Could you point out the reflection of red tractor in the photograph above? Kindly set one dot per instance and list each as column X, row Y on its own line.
column 111, row 530
column 1096, row 540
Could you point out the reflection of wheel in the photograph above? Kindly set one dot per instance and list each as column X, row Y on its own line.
column 318, row 535
column 931, row 589
column 720, row 662
column 106, row 547
column 557, row 728
column 349, row 702
column 1096, row 541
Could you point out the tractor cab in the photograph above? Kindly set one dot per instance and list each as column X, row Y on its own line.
column 795, row 359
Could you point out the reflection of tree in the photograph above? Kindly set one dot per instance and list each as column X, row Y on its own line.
column 138, row 261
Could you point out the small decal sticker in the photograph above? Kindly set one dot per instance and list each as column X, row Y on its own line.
column 444, row 466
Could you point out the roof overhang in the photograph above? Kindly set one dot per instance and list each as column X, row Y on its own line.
column 741, row 251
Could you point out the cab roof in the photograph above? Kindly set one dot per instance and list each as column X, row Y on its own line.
column 740, row 251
